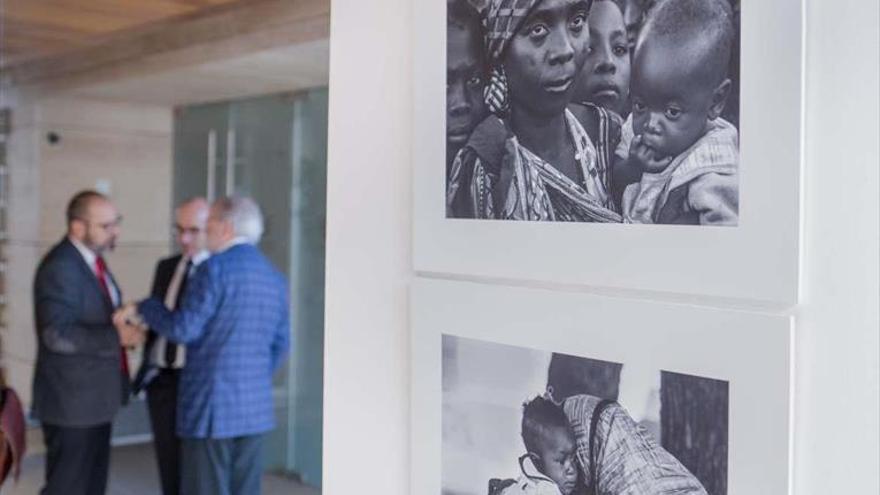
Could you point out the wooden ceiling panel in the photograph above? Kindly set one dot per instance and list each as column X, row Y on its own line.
column 283, row 69
column 39, row 28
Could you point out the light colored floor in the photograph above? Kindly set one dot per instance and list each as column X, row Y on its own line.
column 133, row 471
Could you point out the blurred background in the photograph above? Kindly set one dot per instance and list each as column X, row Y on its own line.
column 153, row 102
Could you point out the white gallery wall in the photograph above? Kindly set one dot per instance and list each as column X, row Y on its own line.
column 368, row 270
column 837, row 406
column 369, row 256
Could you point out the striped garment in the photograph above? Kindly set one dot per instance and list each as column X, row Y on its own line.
column 626, row 460
column 235, row 323
column 537, row 190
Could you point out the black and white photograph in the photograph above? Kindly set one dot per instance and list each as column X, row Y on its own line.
column 518, row 420
column 612, row 111
column 528, row 391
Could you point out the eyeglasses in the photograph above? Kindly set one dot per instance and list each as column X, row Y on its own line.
column 106, row 226
column 180, row 230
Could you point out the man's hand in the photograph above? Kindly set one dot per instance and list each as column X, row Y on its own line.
column 129, row 326
column 127, row 314
column 130, row 335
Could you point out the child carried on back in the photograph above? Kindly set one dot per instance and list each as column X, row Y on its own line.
column 549, row 466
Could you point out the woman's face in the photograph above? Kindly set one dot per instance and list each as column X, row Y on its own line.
column 545, row 56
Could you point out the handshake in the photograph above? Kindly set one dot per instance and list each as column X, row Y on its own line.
column 129, row 325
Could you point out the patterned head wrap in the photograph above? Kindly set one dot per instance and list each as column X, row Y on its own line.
column 503, row 20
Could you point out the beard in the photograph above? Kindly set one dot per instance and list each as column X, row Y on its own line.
column 100, row 247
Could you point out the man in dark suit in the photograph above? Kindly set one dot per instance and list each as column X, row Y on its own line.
column 81, row 376
column 162, row 361
column 235, row 322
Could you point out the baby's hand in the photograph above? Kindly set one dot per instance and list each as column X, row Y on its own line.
column 644, row 157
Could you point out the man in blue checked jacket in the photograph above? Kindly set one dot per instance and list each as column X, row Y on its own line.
column 235, row 323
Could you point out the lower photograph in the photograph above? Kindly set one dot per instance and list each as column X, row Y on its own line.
column 532, row 391
column 570, row 423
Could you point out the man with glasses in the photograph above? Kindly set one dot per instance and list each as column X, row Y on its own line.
column 81, row 376
column 159, row 373
column 235, row 321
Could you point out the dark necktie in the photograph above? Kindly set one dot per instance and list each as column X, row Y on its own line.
column 101, row 273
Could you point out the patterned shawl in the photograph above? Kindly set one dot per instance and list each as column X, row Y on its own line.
column 535, row 189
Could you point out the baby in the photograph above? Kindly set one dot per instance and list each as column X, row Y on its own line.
column 549, row 466
column 686, row 153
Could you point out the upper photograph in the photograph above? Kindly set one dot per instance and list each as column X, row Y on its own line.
column 612, row 111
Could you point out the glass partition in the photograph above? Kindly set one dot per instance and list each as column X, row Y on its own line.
column 274, row 149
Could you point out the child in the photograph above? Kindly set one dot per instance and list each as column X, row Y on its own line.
column 634, row 14
column 687, row 154
column 465, row 78
column 604, row 81
column 549, row 466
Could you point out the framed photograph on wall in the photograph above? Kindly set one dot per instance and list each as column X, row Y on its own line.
column 574, row 144
column 520, row 390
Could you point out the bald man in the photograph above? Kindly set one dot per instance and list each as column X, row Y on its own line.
column 159, row 373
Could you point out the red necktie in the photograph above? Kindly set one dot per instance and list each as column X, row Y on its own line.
column 101, row 273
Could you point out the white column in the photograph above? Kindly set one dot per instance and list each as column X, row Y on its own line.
column 837, row 424
column 366, row 414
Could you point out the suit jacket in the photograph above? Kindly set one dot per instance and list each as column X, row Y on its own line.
column 78, row 379
column 235, row 322
column 161, row 280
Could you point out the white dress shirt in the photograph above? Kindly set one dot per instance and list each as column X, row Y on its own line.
column 161, row 344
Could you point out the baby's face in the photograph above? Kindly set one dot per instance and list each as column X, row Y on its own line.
column 671, row 99
column 558, row 459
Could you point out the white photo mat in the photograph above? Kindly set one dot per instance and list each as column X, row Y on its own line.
column 751, row 351
column 756, row 260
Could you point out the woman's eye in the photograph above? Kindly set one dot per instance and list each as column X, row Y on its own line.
column 579, row 21
column 673, row 113
column 620, row 50
column 538, row 31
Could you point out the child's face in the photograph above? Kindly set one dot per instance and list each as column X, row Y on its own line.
column 671, row 100
column 634, row 13
column 464, row 84
column 546, row 55
column 557, row 458
column 605, row 77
